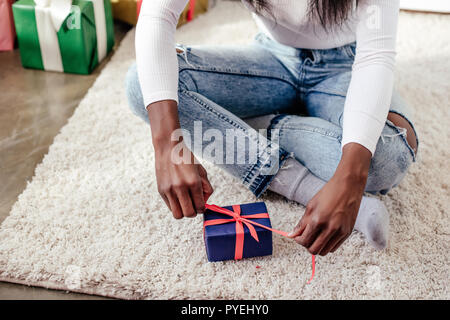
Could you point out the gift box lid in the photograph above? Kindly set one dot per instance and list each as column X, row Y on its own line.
column 229, row 229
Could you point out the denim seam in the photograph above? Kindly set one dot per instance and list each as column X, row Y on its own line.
column 259, row 187
column 316, row 130
column 334, row 93
column 218, row 114
column 258, row 165
column 252, row 172
column 300, row 81
column 278, row 123
column 282, row 155
column 181, row 78
column 267, row 179
column 238, row 73
column 275, row 123
column 296, row 86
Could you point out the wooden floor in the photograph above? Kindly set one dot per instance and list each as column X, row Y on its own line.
column 34, row 105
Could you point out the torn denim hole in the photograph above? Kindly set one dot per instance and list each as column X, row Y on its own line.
column 182, row 51
column 402, row 132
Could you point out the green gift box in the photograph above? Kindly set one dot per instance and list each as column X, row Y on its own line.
column 69, row 36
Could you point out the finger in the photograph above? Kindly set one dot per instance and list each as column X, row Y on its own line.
column 174, row 205
column 308, row 236
column 207, row 189
column 331, row 244
column 321, row 241
column 186, row 203
column 206, row 185
column 339, row 244
column 298, row 229
column 196, row 194
column 166, row 200
column 202, row 171
column 301, row 225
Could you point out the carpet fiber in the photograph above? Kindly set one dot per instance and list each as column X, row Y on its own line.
column 92, row 221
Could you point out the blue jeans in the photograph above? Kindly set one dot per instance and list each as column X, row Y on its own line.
column 221, row 86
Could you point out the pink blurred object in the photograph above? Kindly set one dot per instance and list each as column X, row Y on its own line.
column 191, row 10
column 138, row 7
column 7, row 30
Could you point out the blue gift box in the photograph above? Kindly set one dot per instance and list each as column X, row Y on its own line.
column 220, row 239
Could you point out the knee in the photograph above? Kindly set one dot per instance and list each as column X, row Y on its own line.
column 391, row 160
column 134, row 94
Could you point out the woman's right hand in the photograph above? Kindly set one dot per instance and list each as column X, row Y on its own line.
column 183, row 185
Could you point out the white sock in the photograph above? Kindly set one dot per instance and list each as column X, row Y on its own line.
column 373, row 222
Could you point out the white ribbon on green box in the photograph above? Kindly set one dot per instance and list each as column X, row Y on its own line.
column 50, row 15
column 100, row 27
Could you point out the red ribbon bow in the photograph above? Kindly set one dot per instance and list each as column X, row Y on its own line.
column 240, row 221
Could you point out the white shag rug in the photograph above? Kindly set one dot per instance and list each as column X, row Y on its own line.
column 92, row 221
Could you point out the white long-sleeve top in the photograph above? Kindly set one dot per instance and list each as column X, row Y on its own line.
column 373, row 25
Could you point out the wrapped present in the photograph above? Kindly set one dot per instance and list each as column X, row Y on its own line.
column 240, row 231
column 70, row 36
column 236, row 232
column 7, row 31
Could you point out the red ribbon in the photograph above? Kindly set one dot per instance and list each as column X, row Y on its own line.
column 191, row 11
column 240, row 221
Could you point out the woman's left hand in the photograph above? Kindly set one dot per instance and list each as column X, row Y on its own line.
column 330, row 216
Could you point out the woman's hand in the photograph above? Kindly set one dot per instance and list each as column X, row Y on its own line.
column 183, row 185
column 330, row 216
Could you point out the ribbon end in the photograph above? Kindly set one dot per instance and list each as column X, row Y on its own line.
column 313, row 258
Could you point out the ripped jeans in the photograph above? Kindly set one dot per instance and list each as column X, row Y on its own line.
column 221, row 86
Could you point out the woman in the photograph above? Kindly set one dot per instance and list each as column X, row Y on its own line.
column 319, row 76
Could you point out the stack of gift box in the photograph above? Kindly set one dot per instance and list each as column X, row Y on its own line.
column 70, row 36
